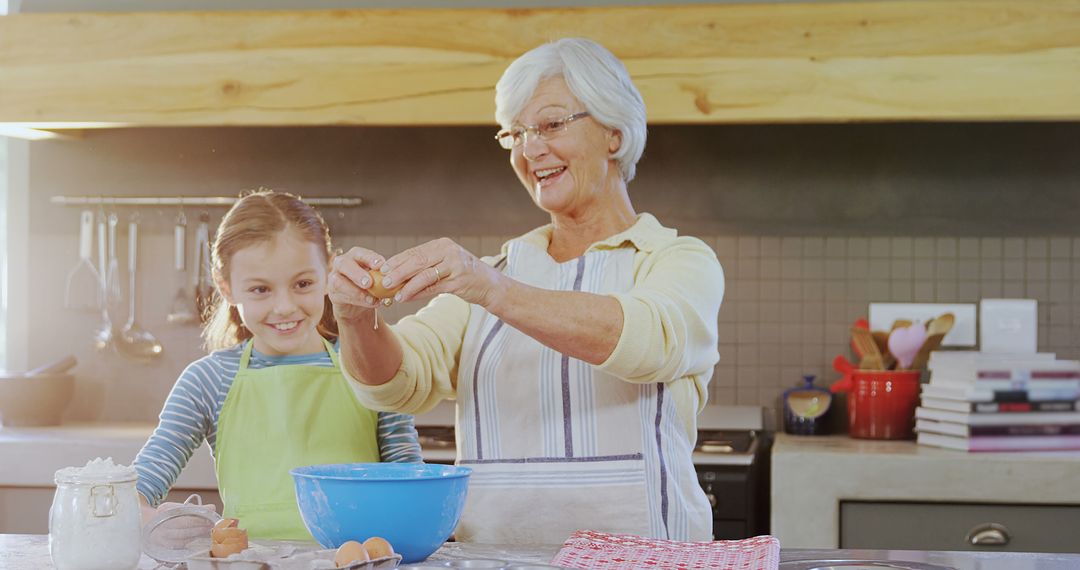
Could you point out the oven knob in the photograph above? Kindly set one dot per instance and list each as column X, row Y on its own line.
column 710, row 495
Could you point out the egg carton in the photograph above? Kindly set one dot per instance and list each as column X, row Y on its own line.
column 489, row 563
column 203, row 561
column 324, row 559
column 310, row 560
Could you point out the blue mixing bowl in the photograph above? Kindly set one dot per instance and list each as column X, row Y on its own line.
column 414, row 506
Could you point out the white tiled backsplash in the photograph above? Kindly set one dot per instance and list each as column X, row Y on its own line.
column 792, row 300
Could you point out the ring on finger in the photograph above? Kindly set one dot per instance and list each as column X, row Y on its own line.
column 438, row 276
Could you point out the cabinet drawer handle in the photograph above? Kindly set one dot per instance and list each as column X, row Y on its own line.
column 989, row 534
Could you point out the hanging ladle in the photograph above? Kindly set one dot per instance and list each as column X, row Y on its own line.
column 103, row 336
column 183, row 309
column 135, row 341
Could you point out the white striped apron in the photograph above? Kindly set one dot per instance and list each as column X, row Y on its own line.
column 556, row 445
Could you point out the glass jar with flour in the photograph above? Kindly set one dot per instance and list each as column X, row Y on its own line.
column 95, row 521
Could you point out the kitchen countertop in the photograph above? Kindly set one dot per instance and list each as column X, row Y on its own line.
column 31, row 552
column 30, row 456
column 812, row 474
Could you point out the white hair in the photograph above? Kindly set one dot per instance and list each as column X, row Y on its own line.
column 595, row 76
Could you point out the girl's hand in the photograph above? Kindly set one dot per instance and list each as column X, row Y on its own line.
column 180, row 531
column 349, row 281
column 443, row 266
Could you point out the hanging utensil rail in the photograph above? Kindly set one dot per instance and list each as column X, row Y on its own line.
column 193, row 201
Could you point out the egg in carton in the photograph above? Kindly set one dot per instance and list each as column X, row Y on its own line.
column 255, row 557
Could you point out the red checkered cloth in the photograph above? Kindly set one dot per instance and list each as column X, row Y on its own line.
column 592, row 549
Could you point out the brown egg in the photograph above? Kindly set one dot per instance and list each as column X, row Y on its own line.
column 377, row 290
column 378, row 547
column 223, row 535
column 226, row 538
column 226, row 523
column 350, row 552
column 226, row 550
column 229, row 541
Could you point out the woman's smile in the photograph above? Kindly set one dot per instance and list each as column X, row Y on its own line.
column 547, row 178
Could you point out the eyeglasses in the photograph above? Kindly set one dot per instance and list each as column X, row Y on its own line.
column 546, row 130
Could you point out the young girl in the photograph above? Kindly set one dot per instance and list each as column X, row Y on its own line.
column 270, row 396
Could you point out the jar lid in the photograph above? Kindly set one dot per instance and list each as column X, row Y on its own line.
column 97, row 471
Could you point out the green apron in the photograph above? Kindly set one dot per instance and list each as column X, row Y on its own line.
column 278, row 418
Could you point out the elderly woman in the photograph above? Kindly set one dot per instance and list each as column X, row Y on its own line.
column 579, row 356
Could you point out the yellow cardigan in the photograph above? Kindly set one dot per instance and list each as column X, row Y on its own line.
column 669, row 327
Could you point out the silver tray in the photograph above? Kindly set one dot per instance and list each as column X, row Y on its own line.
column 852, row 564
column 293, row 561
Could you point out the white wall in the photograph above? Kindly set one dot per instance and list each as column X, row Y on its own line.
column 15, row 245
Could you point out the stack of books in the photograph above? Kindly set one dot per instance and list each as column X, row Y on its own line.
column 1000, row 402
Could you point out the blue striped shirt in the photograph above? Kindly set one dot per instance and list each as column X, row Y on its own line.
column 192, row 409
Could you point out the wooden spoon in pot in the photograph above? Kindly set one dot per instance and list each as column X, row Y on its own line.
column 935, row 333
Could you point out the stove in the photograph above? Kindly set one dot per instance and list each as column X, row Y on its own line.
column 731, row 442
column 732, row 463
column 436, row 437
column 437, row 444
column 732, row 468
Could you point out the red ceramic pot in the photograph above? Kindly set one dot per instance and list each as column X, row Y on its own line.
column 881, row 403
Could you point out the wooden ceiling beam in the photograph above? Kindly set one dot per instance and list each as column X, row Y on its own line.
column 925, row 60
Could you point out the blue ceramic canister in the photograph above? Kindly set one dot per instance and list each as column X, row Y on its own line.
column 805, row 408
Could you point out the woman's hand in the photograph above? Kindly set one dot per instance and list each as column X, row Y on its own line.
column 443, row 266
column 349, row 281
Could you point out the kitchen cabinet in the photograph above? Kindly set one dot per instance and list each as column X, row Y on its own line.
column 852, row 490
column 959, row 526
column 703, row 63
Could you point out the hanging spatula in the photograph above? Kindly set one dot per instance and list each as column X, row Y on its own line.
column 84, row 281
